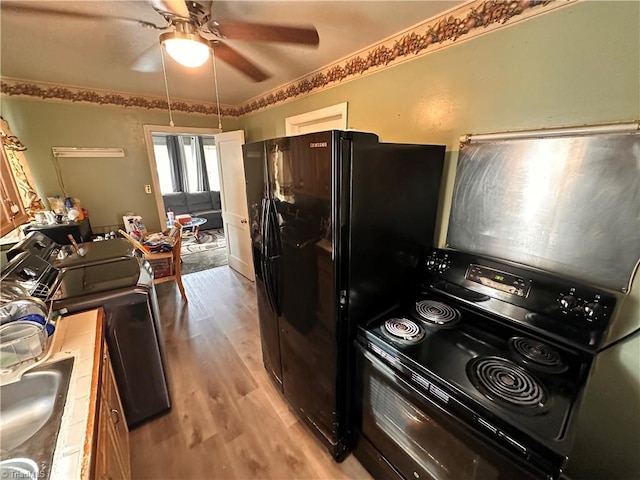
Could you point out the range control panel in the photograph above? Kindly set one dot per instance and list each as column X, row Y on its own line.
column 549, row 302
column 588, row 306
column 498, row 280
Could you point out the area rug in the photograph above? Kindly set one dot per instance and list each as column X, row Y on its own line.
column 209, row 252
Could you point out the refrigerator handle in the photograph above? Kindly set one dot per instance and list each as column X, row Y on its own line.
column 264, row 251
column 274, row 287
column 267, row 276
column 269, row 235
column 275, row 253
column 263, row 227
column 274, row 229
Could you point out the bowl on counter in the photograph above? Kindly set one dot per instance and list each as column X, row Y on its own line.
column 24, row 328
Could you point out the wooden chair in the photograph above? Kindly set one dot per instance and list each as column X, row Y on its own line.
column 174, row 256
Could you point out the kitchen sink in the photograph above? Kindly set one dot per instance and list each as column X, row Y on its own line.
column 30, row 415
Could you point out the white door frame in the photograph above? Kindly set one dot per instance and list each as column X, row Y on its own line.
column 303, row 123
column 155, row 181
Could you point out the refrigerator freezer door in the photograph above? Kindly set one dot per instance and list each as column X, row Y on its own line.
column 255, row 163
column 308, row 321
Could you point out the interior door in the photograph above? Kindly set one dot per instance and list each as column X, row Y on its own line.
column 234, row 201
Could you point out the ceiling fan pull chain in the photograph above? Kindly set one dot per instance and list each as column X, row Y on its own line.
column 215, row 81
column 166, row 86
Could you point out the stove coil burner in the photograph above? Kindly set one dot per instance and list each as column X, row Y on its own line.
column 403, row 330
column 437, row 313
column 537, row 355
column 504, row 382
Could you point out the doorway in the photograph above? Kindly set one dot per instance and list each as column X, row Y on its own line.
column 190, row 185
column 187, row 166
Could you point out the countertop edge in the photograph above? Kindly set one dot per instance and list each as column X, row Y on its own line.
column 88, row 453
column 77, row 336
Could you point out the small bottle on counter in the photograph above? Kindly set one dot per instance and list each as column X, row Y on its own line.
column 170, row 217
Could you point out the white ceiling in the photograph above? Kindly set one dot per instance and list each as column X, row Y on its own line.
column 120, row 55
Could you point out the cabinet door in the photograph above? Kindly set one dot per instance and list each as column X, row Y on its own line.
column 303, row 168
column 103, row 450
column 12, row 213
column 112, row 457
column 311, row 161
column 323, row 173
column 119, row 425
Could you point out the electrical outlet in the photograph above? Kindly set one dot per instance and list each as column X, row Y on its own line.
column 147, row 189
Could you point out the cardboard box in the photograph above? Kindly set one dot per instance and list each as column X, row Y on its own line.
column 183, row 219
column 162, row 267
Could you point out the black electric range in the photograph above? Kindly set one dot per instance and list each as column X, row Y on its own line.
column 502, row 352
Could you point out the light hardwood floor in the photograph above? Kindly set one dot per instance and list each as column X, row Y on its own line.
column 227, row 419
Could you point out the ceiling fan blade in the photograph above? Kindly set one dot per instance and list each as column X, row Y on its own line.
column 176, row 8
column 236, row 60
column 25, row 8
column 149, row 61
column 76, row 15
column 266, row 33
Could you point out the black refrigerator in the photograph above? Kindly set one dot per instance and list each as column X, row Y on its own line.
column 339, row 225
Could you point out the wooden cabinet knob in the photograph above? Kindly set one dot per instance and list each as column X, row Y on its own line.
column 115, row 415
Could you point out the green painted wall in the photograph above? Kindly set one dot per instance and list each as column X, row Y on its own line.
column 107, row 187
column 576, row 65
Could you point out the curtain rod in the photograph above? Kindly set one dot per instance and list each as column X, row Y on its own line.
column 555, row 132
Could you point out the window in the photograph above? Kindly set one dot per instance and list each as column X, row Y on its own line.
column 188, row 146
column 187, row 173
column 163, row 163
column 211, row 160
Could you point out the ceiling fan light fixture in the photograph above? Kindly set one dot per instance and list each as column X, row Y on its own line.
column 188, row 49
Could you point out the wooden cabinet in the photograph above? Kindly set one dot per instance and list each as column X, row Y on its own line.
column 323, row 176
column 111, row 454
column 311, row 168
column 326, row 286
column 12, row 213
column 304, row 174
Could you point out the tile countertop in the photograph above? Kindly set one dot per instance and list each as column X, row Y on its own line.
column 79, row 336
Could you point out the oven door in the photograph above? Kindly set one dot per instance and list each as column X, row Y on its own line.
column 419, row 438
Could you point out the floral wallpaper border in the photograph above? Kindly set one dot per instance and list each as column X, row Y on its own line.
column 469, row 20
column 72, row 94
